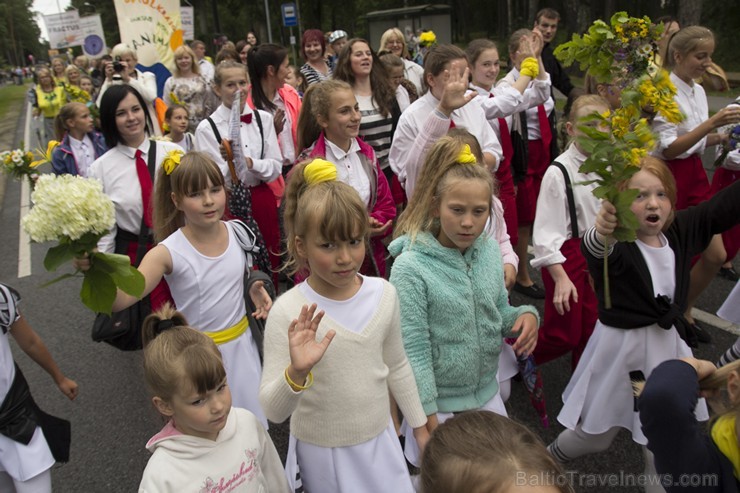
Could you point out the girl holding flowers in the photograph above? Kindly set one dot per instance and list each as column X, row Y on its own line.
column 333, row 374
column 202, row 259
column 682, row 144
column 450, row 280
column 127, row 171
column 645, row 326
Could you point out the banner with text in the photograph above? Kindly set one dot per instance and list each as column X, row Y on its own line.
column 93, row 36
column 64, row 29
column 152, row 28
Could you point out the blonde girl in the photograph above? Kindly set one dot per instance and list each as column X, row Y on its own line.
column 177, row 120
column 187, row 87
column 449, row 276
column 80, row 144
column 262, row 157
column 481, row 452
column 679, row 442
column 47, row 98
column 203, row 260
column 537, row 131
column 689, row 54
column 328, row 128
column 500, row 104
column 649, row 285
column 206, row 442
column 571, row 308
column 333, row 347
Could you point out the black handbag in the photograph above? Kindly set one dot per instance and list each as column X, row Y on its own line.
column 122, row 330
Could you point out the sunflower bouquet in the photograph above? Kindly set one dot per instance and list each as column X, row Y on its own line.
column 620, row 53
column 74, row 212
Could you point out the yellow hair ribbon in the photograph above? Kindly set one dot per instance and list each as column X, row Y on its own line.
column 530, row 67
column 319, row 171
column 172, row 160
column 466, row 156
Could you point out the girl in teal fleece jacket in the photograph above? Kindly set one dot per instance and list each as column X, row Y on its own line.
column 449, row 277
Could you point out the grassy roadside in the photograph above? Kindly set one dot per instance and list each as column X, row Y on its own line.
column 11, row 96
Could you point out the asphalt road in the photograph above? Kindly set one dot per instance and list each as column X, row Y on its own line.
column 112, row 418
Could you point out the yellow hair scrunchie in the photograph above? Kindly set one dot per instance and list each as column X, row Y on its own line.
column 171, row 161
column 466, row 156
column 530, row 67
column 319, row 171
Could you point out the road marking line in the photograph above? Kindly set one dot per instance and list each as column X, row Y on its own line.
column 24, row 242
column 715, row 321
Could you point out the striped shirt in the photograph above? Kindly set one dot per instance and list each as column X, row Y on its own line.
column 375, row 129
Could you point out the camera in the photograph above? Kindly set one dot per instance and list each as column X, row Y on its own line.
column 117, row 65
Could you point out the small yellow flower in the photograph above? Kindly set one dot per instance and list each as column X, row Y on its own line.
column 172, row 160
column 45, row 157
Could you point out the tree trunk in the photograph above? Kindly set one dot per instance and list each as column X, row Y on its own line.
column 689, row 12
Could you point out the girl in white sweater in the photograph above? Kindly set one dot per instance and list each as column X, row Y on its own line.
column 333, row 347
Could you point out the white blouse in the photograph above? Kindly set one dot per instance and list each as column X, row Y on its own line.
column 539, row 94
column 692, row 101
column 349, row 168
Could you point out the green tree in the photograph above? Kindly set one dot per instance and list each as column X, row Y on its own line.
column 19, row 33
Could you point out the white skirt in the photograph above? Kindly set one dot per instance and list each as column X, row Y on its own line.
column 243, row 373
column 508, row 367
column 411, row 449
column 370, row 467
column 23, row 462
column 599, row 395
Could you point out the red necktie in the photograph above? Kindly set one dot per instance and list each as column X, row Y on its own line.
column 506, row 145
column 452, row 124
column 545, row 132
column 145, row 180
column 246, row 118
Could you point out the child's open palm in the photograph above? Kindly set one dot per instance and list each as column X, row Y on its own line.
column 456, row 94
column 305, row 350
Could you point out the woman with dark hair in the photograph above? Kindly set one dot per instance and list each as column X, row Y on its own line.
column 313, row 49
column 243, row 48
column 252, row 39
column 360, row 67
column 126, row 172
column 268, row 67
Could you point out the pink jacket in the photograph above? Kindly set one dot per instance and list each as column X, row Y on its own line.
column 381, row 206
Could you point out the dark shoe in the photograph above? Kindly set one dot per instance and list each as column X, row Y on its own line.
column 729, row 273
column 533, row 291
column 701, row 333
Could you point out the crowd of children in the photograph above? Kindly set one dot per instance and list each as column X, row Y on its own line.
column 403, row 251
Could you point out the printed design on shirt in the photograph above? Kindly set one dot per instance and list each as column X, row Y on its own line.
column 249, row 469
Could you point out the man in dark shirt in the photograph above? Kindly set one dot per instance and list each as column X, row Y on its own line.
column 546, row 23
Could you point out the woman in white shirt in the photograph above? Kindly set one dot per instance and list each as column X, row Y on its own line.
column 681, row 145
column 126, row 172
column 394, row 42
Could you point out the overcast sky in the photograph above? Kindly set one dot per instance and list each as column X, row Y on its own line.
column 46, row 7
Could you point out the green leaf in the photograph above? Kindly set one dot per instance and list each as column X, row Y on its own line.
column 126, row 277
column 57, row 279
column 593, row 133
column 98, row 290
column 56, row 256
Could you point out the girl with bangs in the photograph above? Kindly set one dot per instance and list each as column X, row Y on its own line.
column 330, row 124
column 206, row 443
column 203, row 260
column 449, row 275
column 333, row 347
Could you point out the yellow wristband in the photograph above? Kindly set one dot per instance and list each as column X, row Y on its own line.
column 295, row 386
column 530, row 67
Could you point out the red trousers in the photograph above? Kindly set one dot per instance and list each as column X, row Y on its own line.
column 265, row 212
column 560, row 334
column 507, row 195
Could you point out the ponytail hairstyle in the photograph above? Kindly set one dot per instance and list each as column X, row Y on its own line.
column 259, row 59
column 194, row 173
column 437, row 58
column 480, row 452
column 67, row 112
column 176, row 355
column 383, row 92
column 685, row 41
column 316, row 102
column 322, row 206
column 442, row 168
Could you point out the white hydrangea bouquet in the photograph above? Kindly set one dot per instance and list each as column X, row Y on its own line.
column 75, row 212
